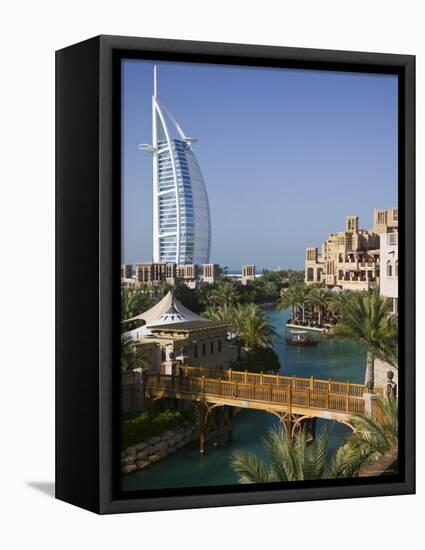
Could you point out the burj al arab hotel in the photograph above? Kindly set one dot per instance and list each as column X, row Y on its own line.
column 181, row 213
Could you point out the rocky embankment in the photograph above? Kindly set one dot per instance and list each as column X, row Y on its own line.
column 146, row 453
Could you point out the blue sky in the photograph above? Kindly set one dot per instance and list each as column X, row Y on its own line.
column 286, row 154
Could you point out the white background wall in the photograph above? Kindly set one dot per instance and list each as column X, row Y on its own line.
column 30, row 32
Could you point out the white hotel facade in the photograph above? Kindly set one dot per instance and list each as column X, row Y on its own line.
column 181, row 213
column 389, row 267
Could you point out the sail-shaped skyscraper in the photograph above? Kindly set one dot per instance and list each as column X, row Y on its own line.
column 181, row 213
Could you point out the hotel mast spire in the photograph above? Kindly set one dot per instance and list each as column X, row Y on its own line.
column 180, row 209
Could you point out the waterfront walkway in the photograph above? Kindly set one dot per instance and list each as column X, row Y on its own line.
column 290, row 398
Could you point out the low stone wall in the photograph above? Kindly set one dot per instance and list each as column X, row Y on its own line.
column 146, row 453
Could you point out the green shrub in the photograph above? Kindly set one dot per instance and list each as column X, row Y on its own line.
column 167, row 420
column 145, row 425
column 136, row 429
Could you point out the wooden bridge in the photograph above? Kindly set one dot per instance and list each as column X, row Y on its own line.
column 290, row 398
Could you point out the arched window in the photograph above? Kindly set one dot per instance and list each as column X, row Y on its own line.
column 396, row 269
column 389, row 269
column 310, row 274
column 319, row 274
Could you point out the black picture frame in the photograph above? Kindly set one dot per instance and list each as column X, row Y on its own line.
column 88, row 271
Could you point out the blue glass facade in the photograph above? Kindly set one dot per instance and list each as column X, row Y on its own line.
column 184, row 226
column 181, row 213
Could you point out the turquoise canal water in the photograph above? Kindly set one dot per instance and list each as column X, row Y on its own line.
column 338, row 359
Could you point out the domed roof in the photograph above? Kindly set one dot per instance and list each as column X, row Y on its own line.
column 168, row 310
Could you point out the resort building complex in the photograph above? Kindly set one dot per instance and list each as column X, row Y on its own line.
column 161, row 272
column 350, row 259
column 193, row 275
column 181, row 213
column 156, row 272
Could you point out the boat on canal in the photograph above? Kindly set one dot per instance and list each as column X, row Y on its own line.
column 301, row 338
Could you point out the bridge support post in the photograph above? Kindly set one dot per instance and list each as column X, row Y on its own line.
column 311, row 429
column 295, row 423
column 202, row 427
column 288, row 426
column 201, row 442
column 230, row 417
column 222, row 417
column 370, row 405
column 218, row 422
column 285, row 420
column 213, row 419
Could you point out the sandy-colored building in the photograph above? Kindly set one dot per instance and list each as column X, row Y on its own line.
column 189, row 273
column 385, row 221
column 156, row 272
column 192, row 339
column 248, row 273
column 126, row 271
column 349, row 259
column 127, row 278
column 210, row 273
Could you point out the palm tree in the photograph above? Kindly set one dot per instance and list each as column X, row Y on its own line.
column 226, row 313
column 337, row 301
column 247, row 321
column 302, row 292
column 130, row 357
column 389, row 351
column 289, row 460
column 252, row 327
column 295, row 277
column 372, row 437
column 320, row 298
column 134, row 301
column 365, row 317
column 162, row 289
column 289, row 298
column 225, row 293
column 128, row 298
column 295, row 460
column 270, row 290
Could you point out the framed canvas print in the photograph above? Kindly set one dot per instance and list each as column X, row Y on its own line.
column 235, row 274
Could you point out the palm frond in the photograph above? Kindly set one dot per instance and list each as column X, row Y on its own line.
column 348, row 461
column 318, row 457
column 250, row 468
column 282, row 464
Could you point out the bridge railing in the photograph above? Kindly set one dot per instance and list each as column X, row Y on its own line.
column 285, row 394
column 246, row 377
